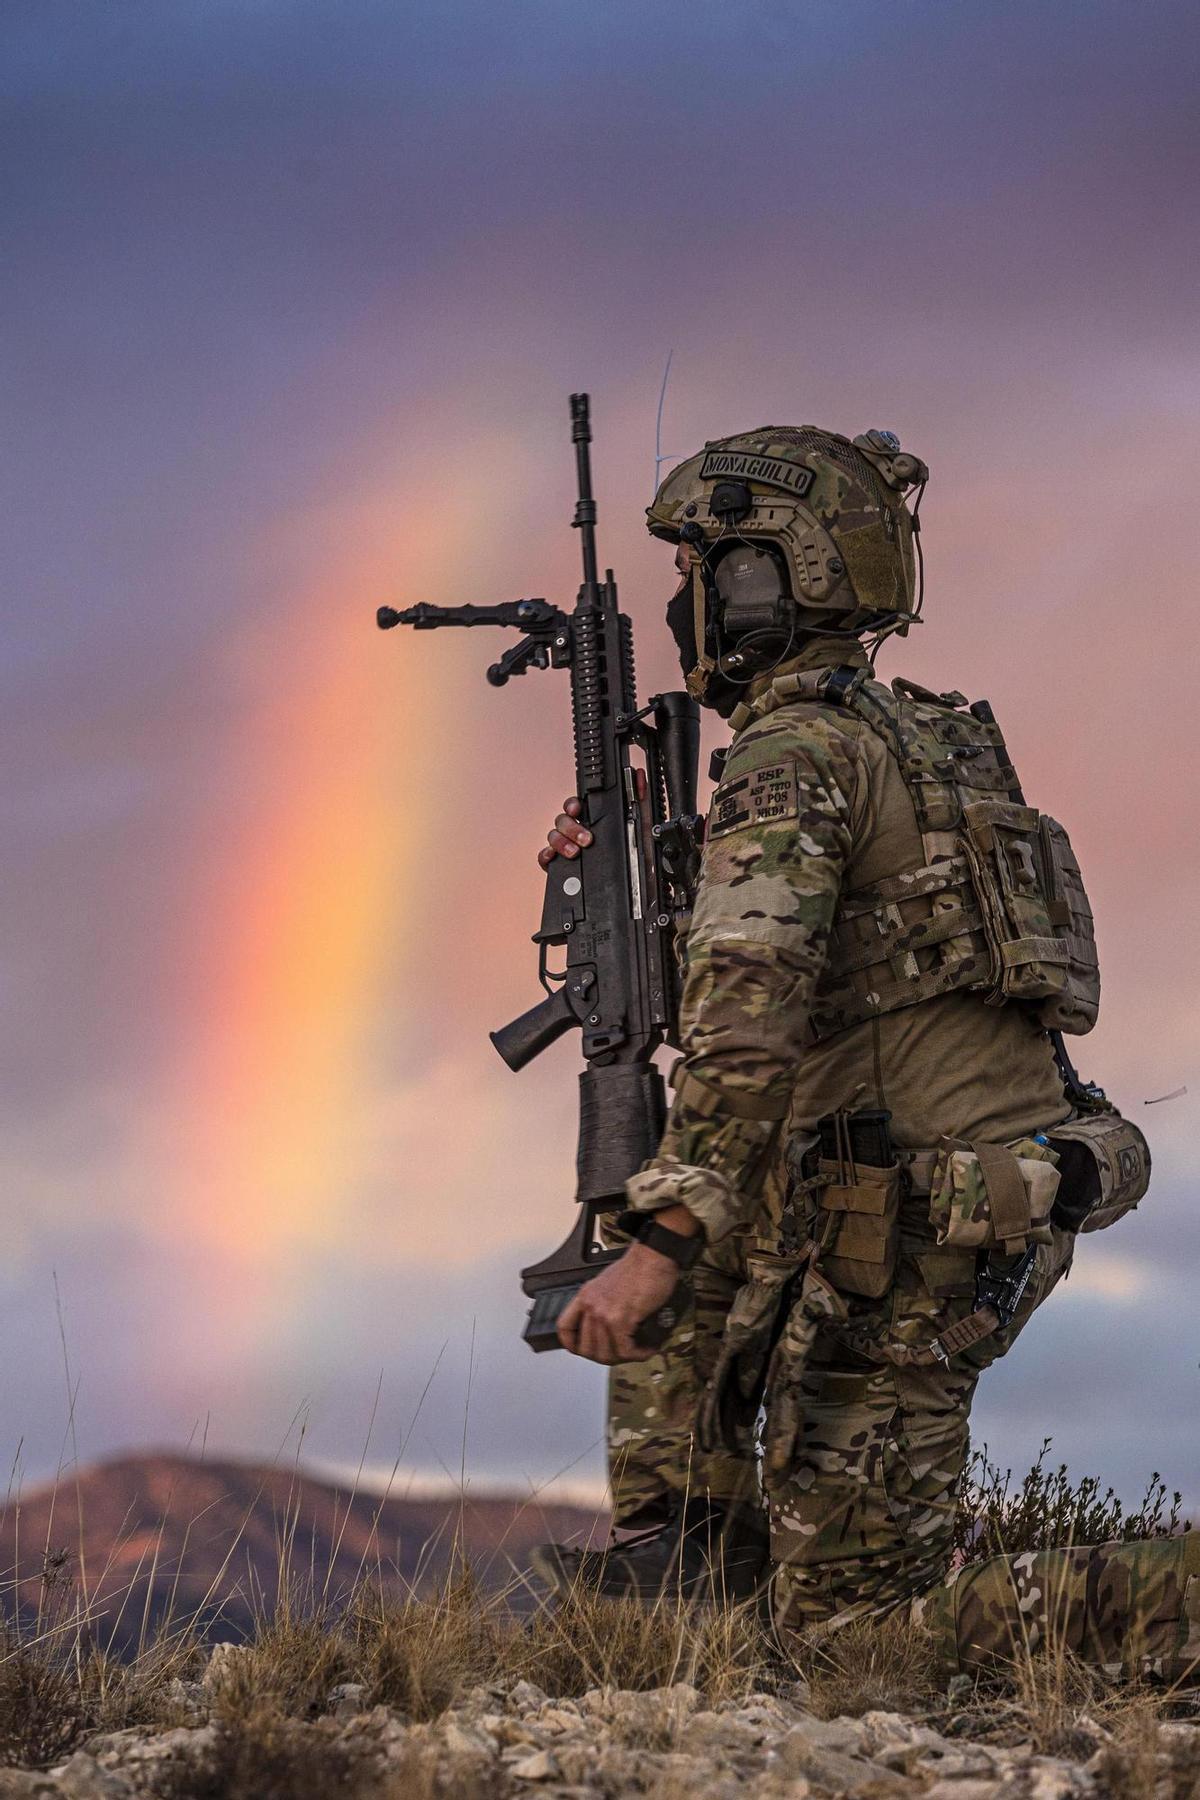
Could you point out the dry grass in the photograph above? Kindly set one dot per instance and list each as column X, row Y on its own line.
column 1144, row 1757
column 419, row 1655
column 588, row 1642
column 871, row 1665
column 273, row 1737
column 54, row 1692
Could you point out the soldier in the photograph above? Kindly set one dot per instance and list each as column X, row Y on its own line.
column 886, row 942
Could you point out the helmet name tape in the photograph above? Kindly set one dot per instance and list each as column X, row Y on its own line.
column 767, row 469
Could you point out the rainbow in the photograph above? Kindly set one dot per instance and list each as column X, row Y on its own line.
column 298, row 940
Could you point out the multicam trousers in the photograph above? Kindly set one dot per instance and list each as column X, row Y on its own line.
column 1132, row 1609
column 653, row 1457
column 865, row 1520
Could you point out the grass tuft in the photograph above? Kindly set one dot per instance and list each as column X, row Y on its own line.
column 870, row 1665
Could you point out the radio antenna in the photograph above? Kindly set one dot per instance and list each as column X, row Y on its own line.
column 659, row 457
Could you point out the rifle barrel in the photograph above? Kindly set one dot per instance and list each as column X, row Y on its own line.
column 524, row 615
column 585, row 506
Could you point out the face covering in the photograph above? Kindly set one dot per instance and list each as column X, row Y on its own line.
column 681, row 623
column 715, row 693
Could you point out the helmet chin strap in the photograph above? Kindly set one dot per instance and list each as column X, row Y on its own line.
column 696, row 682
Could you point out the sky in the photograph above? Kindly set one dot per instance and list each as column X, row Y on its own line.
column 295, row 293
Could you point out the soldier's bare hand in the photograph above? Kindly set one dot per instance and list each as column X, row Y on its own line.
column 602, row 1318
column 568, row 836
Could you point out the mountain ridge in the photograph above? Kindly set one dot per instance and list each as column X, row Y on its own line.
column 165, row 1537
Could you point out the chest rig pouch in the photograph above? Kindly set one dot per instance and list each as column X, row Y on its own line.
column 999, row 903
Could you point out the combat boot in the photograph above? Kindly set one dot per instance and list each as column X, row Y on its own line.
column 705, row 1552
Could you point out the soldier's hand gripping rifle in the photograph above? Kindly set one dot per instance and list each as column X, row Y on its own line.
column 614, row 908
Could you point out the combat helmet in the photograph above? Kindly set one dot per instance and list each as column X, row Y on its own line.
column 793, row 528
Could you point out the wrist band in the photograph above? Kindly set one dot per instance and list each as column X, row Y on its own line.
column 683, row 1251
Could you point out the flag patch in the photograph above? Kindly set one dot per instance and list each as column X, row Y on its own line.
column 759, row 798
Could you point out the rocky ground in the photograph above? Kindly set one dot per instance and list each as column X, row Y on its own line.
column 668, row 1744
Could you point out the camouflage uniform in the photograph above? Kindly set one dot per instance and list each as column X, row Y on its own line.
column 653, row 1457
column 1133, row 1609
column 867, row 1436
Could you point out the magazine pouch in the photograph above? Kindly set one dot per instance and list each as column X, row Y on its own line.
column 860, row 1226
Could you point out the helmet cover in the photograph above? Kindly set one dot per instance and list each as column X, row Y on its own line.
column 831, row 510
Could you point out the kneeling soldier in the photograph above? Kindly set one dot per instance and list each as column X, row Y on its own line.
column 887, row 943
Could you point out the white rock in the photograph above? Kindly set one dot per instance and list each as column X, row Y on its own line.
column 541, row 1766
column 189, row 1699
column 181, row 1742
column 953, row 1789
column 83, row 1779
column 563, row 1716
column 345, row 1701
column 1053, row 1781
column 848, row 1735
column 525, row 1697
column 464, row 1738
column 222, row 1663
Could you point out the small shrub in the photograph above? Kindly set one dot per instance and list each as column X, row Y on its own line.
column 54, row 1692
column 418, row 1656
column 1142, row 1759
column 1049, row 1509
column 590, row 1641
column 293, row 1660
column 40, row 1709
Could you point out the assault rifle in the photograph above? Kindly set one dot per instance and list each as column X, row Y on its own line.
column 614, row 909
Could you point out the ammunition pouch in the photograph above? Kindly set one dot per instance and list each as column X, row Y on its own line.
column 1036, row 916
column 988, row 1196
column 844, row 1193
column 860, row 1228
column 1105, row 1166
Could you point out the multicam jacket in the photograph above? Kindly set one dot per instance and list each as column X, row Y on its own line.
column 811, row 807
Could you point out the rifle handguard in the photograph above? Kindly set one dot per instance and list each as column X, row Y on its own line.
column 622, row 1111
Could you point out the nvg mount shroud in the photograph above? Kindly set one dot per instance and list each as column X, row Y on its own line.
column 615, row 908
